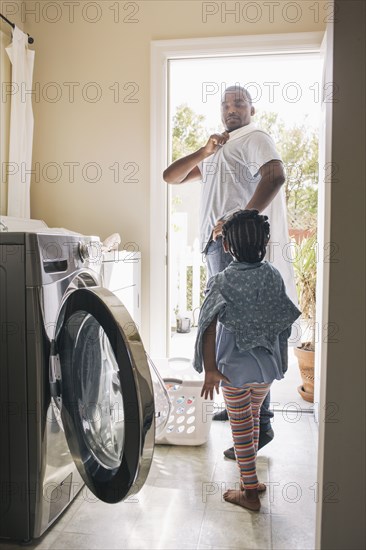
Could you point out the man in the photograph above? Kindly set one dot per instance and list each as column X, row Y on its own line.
column 240, row 169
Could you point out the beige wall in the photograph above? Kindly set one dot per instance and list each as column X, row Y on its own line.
column 115, row 133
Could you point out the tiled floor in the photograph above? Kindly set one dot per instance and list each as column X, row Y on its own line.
column 181, row 504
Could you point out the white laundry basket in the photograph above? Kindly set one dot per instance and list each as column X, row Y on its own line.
column 190, row 415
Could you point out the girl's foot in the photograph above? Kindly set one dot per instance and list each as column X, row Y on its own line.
column 244, row 499
column 262, row 487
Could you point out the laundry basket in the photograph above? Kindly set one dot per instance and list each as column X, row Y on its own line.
column 190, row 415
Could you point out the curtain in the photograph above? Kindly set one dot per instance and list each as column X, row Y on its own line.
column 21, row 126
column 5, row 78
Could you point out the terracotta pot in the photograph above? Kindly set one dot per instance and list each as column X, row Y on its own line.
column 306, row 366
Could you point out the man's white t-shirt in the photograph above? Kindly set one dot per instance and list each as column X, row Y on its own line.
column 229, row 179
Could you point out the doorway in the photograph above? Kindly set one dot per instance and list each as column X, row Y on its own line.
column 285, row 93
column 163, row 54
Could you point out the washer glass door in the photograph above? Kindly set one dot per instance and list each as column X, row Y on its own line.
column 106, row 393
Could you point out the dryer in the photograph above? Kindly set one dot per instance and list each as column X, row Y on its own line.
column 77, row 398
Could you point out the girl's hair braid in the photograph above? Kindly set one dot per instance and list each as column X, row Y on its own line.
column 246, row 233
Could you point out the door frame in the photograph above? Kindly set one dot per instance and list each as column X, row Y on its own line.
column 161, row 52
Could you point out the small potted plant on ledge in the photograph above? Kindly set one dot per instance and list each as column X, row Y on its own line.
column 305, row 274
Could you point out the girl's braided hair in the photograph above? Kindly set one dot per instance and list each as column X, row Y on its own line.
column 246, row 233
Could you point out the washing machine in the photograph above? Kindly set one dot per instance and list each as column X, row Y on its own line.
column 77, row 397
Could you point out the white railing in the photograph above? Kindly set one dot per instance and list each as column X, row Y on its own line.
column 184, row 257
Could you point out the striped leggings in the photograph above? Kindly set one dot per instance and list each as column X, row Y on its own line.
column 243, row 407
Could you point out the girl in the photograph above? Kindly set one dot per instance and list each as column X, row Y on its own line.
column 243, row 328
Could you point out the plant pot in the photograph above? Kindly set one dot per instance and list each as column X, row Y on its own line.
column 306, row 365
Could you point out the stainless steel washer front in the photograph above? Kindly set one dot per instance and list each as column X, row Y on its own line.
column 76, row 392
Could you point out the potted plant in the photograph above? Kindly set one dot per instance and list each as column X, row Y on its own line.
column 305, row 274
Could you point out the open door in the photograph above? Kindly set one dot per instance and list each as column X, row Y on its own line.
column 325, row 248
column 100, row 380
column 328, row 91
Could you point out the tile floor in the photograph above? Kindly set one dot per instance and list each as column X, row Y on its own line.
column 181, row 506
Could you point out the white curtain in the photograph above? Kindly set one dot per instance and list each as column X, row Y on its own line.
column 21, row 126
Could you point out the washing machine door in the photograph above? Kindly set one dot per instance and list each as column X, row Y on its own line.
column 105, row 393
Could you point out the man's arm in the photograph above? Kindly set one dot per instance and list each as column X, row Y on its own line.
column 273, row 176
column 186, row 169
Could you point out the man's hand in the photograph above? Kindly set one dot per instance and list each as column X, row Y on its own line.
column 212, row 380
column 186, row 168
column 215, row 141
column 217, row 230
